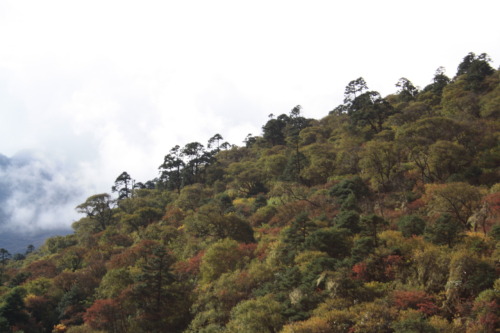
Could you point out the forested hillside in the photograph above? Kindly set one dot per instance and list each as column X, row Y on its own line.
column 383, row 216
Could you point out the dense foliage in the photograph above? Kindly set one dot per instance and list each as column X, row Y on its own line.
column 384, row 216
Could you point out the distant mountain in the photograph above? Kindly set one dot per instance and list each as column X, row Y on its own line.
column 18, row 243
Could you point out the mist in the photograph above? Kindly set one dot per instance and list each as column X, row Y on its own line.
column 37, row 194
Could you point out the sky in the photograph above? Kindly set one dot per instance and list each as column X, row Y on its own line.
column 89, row 89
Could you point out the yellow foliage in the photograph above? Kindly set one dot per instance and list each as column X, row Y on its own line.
column 59, row 328
column 394, row 239
column 312, row 325
column 243, row 201
column 303, row 259
column 495, row 188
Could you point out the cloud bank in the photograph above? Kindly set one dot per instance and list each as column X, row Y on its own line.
column 36, row 194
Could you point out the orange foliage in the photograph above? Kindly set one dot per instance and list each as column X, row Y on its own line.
column 190, row 266
column 416, row 205
column 60, row 328
column 66, row 280
column 247, row 250
column 130, row 255
column 360, row 271
column 492, row 202
column 104, row 314
column 391, row 262
column 174, row 216
column 418, row 300
column 42, row 268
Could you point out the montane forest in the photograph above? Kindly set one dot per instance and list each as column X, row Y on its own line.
column 383, row 216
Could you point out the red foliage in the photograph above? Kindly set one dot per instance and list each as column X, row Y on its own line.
column 392, row 214
column 493, row 201
column 247, row 250
column 390, row 262
column 42, row 268
column 174, row 216
column 488, row 314
column 130, row 255
column 190, row 266
column 418, row 300
column 66, row 280
column 360, row 271
column 261, row 251
column 269, row 231
column 104, row 314
column 416, row 205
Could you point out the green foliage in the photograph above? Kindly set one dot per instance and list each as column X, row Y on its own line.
column 475, row 69
column 13, row 309
column 410, row 225
column 354, row 186
column 221, row 257
column 445, row 231
column 98, row 211
column 260, row 315
column 333, row 241
column 369, row 109
column 413, row 322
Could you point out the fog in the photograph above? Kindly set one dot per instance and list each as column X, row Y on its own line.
column 37, row 194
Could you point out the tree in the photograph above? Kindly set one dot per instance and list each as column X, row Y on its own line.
column 30, row 249
column 220, row 257
column 154, row 277
column 4, row 257
column 98, row 209
column 354, row 89
column 373, row 317
column 372, row 224
column 354, row 186
column 440, row 81
column 13, row 308
column 114, row 282
column 475, row 69
column 348, row 219
column 334, row 241
column 369, row 109
column 248, row 177
column 274, row 130
column 215, row 140
column 459, row 200
column 445, row 231
column 196, row 159
column 407, row 91
column 124, row 185
column 210, row 223
column 299, row 230
column 170, row 170
column 260, row 315
column 382, row 161
column 321, row 163
column 413, row 322
column 411, row 225
column 106, row 314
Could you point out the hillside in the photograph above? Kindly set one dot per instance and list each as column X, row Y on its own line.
column 383, row 216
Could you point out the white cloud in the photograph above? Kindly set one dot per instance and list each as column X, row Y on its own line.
column 38, row 194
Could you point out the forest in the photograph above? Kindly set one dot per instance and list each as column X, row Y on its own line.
column 383, row 216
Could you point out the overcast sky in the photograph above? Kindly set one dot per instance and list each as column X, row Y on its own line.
column 100, row 87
